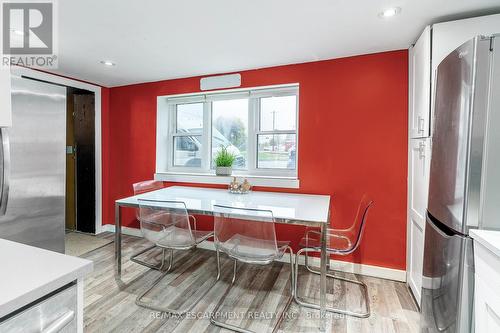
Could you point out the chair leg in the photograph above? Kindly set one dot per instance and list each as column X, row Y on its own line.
column 292, row 275
column 223, row 298
column 234, row 271
column 306, row 264
column 170, row 261
column 159, row 308
column 158, row 266
column 218, row 264
column 363, row 286
column 292, row 291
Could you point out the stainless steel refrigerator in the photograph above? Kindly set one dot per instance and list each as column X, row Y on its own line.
column 33, row 166
column 464, row 189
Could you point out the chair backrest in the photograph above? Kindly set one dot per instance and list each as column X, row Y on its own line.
column 146, row 186
column 245, row 234
column 355, row 232
column 166, row 223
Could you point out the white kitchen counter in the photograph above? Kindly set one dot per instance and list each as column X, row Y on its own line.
column 28, row 273
column 490, row 239
column 486, row 280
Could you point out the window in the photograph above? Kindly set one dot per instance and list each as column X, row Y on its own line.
column 277, row 138
column 187, row 135
column 259, row 126
column 230, row 129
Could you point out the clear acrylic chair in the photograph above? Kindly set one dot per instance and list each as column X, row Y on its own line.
column 146, row 186
column 167, row 225
column 141, row 188
column 339, row 242
column 248, row 236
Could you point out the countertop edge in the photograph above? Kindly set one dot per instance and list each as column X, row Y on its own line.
column 482, row 237
column 35, row 294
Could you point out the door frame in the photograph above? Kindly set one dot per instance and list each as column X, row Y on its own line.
column 56, row 79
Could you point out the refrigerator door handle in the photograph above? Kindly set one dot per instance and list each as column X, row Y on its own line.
column 421, row 150
column 5, row 173
column 421, row 124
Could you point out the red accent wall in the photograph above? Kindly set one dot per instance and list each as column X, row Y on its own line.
column 352, row 139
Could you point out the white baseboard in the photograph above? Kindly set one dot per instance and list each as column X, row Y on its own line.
column 343, row 266
column 125, row 230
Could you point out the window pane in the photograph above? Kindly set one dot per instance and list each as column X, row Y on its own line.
column 187, row 151
column 278, row 113
column 190, row 118
column 230, row 129
column 276, row 151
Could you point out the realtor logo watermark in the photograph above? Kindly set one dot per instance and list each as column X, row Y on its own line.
column 28, row 34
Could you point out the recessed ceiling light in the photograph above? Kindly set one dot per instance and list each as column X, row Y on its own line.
column 107, row 63
column 390, row 12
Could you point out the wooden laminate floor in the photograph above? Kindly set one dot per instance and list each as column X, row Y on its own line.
column 256, row 300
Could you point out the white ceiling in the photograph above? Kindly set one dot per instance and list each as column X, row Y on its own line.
column 162, row 39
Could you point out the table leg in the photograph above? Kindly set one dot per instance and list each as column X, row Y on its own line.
column 322, row 283
column 118, row 241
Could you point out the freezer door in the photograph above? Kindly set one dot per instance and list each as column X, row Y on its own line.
column 447, row 281
column 450, row 136
column 32, row 207
column 458, row 135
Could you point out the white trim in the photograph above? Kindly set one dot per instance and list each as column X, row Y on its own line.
column 125, row 230
column 203, row 178
column 42, row 76
column 166, row 130
column 342, row 266
column 362, row 269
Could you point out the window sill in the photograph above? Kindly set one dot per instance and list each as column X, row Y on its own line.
column 203, row 178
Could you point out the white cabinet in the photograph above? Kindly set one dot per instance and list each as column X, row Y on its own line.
column 419, row 74
column 487, row 281
column 447, row 36
column 419, row 62
column 487, row 307
column 418, row 185
column 5, row 99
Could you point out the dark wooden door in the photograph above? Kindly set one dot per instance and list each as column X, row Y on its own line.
column 70, row 163
column 84, row 134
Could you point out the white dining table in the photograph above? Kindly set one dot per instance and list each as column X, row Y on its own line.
column 287, row 208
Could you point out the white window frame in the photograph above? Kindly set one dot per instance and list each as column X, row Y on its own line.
column 166, row 131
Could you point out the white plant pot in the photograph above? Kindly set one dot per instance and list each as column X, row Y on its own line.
column 223, row 171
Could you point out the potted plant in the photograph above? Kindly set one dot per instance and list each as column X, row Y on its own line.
column 223, row 162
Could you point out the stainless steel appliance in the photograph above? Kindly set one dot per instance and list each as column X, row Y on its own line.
column 33, row 166
column 464, row 189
